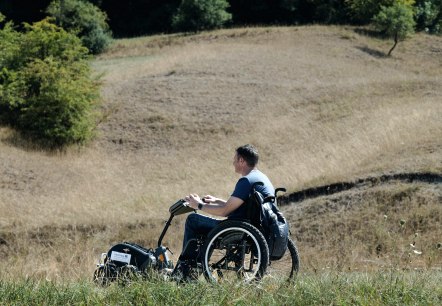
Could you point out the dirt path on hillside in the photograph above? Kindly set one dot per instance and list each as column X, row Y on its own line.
column 325, row 190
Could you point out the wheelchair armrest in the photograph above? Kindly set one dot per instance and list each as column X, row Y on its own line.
column 236, row 219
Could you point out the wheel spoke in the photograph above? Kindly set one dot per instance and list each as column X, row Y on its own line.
column 235, row 253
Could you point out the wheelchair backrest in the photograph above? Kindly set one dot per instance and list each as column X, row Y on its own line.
column 254, row 206
column 264, row 214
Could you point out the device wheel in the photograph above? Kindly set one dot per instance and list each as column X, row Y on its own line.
column 235, row 250
column 105, row 274
column 128, row 274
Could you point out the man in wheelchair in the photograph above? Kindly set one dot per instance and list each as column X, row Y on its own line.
column 197, row 225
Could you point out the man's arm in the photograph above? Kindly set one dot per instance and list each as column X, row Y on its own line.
column 215, row 206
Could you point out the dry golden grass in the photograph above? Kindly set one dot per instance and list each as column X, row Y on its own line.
column 394, row 225
column 319, row 103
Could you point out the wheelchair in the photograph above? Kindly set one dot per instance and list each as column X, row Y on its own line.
column 238, row 249
column 235, row 249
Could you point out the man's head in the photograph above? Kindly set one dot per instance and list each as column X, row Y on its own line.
column 246, row 157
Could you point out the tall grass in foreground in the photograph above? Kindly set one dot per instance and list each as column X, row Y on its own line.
column 387, row 288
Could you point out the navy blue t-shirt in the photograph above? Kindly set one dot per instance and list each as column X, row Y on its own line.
column 244, row 187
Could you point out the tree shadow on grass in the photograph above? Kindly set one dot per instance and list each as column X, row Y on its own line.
column 369, row 32
column 372, row 52
column 14, row 138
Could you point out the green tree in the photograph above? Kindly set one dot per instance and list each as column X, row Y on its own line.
column 396, row 21
column 84, row 19
column 198, row 15
column 46, row 88
column 362, row 11
column 8, row 41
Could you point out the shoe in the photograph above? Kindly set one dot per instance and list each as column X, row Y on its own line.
column 167, row 271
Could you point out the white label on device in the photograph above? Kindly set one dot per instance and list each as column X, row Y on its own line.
column 123, row 257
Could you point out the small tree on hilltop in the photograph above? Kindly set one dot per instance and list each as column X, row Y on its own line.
column 396, row 22
column 198, row 15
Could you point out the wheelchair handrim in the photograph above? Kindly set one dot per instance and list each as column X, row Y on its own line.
column 206, row 259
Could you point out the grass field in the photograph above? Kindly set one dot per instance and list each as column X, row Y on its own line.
column 387, row 288
column 322, row 104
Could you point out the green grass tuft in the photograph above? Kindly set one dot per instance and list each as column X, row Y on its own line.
column 382, row 288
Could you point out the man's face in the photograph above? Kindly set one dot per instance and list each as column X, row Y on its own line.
column 238, row 163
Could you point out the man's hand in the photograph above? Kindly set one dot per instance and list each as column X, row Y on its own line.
column 214, row 206
column 193, row 200
column 209, row 199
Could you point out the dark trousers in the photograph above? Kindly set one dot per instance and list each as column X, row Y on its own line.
column 198, row 225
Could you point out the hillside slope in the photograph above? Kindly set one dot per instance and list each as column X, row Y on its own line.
column 322, row 104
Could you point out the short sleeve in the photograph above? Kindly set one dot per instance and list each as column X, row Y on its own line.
column 242, row 189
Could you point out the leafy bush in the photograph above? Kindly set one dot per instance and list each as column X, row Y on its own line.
column 429, row 16
column 329, row 11
column 46, row 89
column 362, row 11
column 9, row 47
column 8, row 41
column 84, row 19
column 197, row 15
column 396, row 21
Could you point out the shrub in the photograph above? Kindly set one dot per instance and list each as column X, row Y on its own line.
column 197, row 15
column 8, row 41
column 84, row 19
column 362, row 11
column 429, row 16
column 330, row 11
column 46, row 89
column 396, row 22
column 322, row 11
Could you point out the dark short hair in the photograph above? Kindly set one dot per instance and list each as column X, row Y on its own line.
column 249, row 153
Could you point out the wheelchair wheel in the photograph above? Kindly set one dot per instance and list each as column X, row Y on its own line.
column 287, row 267
column 235, row 250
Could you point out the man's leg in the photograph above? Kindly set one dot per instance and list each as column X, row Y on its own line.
column 197, row 225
